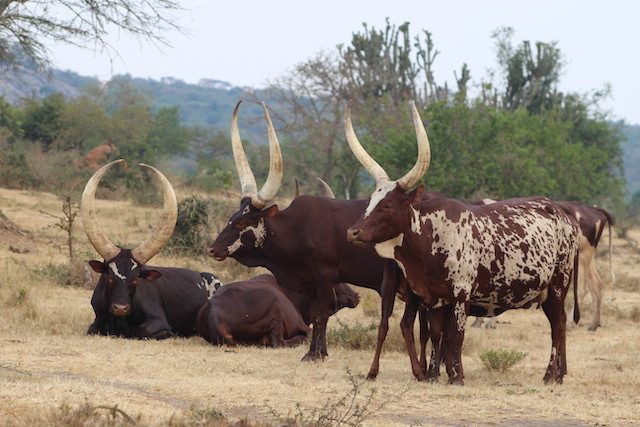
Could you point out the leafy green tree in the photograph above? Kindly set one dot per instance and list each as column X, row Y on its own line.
column 42, row 119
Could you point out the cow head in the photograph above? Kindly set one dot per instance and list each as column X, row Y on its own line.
column 389, row 209
column 122, row 269
column 247, row 228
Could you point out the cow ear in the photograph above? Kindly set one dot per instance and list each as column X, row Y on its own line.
column 150, row 275
column 271, row 211
column 416, row 195
column 98, row 266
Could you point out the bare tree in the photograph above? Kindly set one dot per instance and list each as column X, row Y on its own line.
column 27, row 25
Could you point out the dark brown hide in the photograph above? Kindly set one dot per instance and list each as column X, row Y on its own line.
column 251, row 312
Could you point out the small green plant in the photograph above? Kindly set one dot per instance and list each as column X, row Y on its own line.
column 21, row 296
column 353, row 336
column 206, row 416
column 501, row 360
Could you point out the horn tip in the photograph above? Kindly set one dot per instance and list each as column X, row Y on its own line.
column 237, row 107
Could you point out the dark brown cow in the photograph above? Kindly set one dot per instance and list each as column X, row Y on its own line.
column 133, row 299
column 253, row 312
column 458, row 256
column 303, row 245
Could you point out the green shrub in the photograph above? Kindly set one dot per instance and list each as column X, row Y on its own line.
column 354, row 336
column 501, row 360
column 192, row 226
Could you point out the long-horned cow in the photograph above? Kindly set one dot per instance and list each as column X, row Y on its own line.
column 592, row 221
column 303, row 245
column 458, row 256
column 132, row 299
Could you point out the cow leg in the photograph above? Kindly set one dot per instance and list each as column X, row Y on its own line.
column 436, row 319
column 406, row 325
column 455, row 317
column 318, row 348
column 389, row 288
column 554, row 309
column 596, row 285
column 295, row 341
column 423, row 317
column 154, row 328
column 98, row 327
column 477, row 322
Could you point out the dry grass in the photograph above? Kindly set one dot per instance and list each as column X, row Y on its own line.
column 49, row 369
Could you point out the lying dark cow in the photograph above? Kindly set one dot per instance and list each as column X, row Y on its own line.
column 458, row 256
column 134, row 300
column 252, row 312
column 155, row 302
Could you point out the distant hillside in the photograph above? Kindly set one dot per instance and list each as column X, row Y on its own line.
column 631, row 150
column 208, row 103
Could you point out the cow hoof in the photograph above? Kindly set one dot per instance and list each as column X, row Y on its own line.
column 371, row 376
column 163, row 335
column 592, row 327
column 456, row 381
column 550, row 379
column 420, row 377
column 433, row 378
column 313, row 356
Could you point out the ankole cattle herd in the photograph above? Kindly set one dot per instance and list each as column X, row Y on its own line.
column 446, row 259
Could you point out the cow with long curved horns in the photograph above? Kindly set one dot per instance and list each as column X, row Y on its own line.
column 303, row 245
column 132, row 299
column 458, row 256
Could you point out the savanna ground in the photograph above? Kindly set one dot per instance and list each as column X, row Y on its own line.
column 52, row 373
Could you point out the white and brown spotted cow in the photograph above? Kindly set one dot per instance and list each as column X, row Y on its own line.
column 458, row 256
column 592, row 221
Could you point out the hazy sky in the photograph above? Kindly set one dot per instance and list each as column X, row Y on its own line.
column 249, row 42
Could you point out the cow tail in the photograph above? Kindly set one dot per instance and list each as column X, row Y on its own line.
column 610, row 222
column 576, row 309
column 613, row 276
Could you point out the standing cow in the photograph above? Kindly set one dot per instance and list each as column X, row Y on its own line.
column 507, row 255
column 592, row 220
column 304, row 245
column 135, row 300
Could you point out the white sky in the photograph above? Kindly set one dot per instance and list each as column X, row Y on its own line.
column 247, row 42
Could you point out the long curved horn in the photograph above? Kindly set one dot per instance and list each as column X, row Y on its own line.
column 150, row 247
column 247, row 180
column 358, row 150
column 98, row 239
column 326, row 190
column 274, row 179
column 424, row 152
column 295, row 180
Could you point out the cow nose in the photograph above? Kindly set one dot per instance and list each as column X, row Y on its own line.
column 352, row 234
column 217, row 254
column 120, row 309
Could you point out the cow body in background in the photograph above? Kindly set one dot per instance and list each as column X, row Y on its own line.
column 457, row 256
column 160, row 308
column 252, row 312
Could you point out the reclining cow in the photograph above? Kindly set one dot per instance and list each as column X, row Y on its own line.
column 458, row 256
column 258, row 311
column 132, row 299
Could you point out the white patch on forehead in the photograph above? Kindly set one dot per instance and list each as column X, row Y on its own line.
column 114, row 268
column 381, row 192
column 134, row 265
column 259, row 232
column 488, row 201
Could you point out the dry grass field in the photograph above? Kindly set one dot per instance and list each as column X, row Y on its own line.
column 52, row 373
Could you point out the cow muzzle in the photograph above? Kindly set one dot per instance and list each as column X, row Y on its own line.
column 354, row 235
column 217, row 253
column 120, row 309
